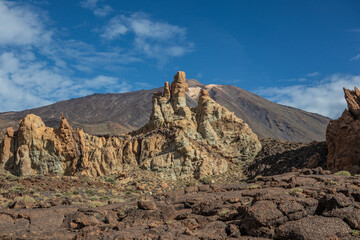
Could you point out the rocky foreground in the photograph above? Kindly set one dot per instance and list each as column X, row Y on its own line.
column 307, row 204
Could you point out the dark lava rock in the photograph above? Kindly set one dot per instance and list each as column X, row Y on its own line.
column 146, row 205
column 296, row 205
column 312, row 228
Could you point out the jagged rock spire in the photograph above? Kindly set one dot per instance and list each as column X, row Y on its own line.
column 167, row 93
column 178, row 90
column 353, row 101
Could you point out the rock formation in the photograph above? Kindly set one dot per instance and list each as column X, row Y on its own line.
column 343, row 136
column 177, row 141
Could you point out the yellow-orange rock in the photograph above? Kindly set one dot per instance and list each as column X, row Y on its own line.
column 177, row 142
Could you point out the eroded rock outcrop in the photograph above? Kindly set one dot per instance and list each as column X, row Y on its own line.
column 177, row 141
column 343, row 136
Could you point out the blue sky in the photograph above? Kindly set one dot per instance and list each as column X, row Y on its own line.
column 297, row 53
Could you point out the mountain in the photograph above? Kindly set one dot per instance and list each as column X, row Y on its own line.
column 114, row 114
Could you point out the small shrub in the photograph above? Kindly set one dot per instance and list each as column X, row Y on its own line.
column 355, row 233
column 205, row 180
column 12, row 177
column 93, row 198
column 222, row 213
column 76, row 192
column 95, row 204
column 110, row 180
column 58, row 195
column 16, row 188
column 26, row 199
column 255, row 186
column 331, row 183
column 101, row 191
column 257, row 177
column 90, row 191
column 296, row 190
column 343, row 173
column 104, row 198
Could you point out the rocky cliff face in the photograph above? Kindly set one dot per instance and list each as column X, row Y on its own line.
column 343, row 136
column 178, row 142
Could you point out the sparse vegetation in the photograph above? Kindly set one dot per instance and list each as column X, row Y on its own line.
column 26, row 199
column 110, row 180
column 94, row 204
column 11, row 177
column 355, row 233
column 255, row 186
column 222, row 213
column 331, row 183
column 94, row 198
column 257, row 178
column 205, row 180
column 16, row 188
column 343, row 173
column 90, row 191
column 296, row 190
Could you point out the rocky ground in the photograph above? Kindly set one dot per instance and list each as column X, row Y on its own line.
column 277, row 157
column 307, row 204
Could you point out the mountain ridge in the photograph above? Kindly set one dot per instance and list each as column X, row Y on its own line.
column 120, row 113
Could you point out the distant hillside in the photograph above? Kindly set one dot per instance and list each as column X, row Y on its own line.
column 115, row 114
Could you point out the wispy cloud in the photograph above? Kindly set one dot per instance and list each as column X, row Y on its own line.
column 99, row 10
column 36, row 83
column 20, row 25
column 313, row 74
column 114, row 29
column 37, row 67
column 325, row 96
column 41, row 66
column 355, row 57
column 86, row 57
column 155, row 39
column 355, row 30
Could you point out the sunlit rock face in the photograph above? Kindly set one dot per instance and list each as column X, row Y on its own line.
column 343, row 136
column 178, row 142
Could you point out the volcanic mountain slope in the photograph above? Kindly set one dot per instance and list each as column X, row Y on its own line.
column 115, row 114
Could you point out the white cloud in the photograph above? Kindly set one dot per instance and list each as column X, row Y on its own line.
column 143, row 27
column 93, row 5
column 37, row 68
column 355, row 57
column 325, row 97
column 155, row 39
column 86, row 57
column 313, row 74
column 90, row 4
column 27, row 82
column 114, row 29
column 21, row 26
column 103, row 11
